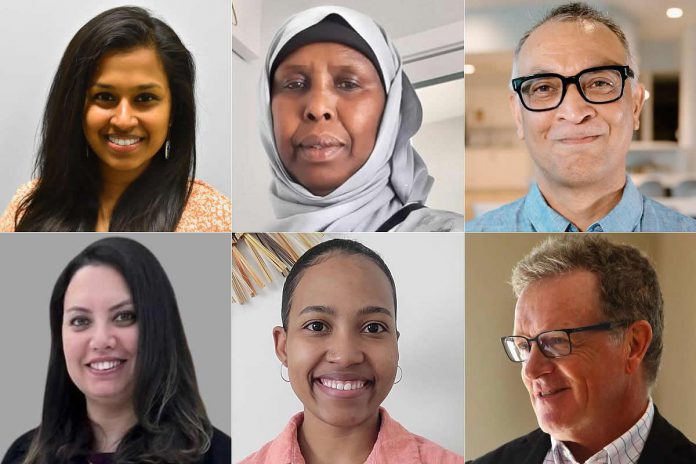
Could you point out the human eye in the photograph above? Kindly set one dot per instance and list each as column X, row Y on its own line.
column 542, row 88
column 347, row 84
column 125, row 317
column 104, row 97
column 79, row 322
column 316, row 326
column 146, row 98
column 374, row 328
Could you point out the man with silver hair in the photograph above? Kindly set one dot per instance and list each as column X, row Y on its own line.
column 588, row 336
column 576, row 102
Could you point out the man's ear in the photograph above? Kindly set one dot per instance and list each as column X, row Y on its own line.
column 516, row 108
column 638, row 338
column 280, row 340
column 638, row 92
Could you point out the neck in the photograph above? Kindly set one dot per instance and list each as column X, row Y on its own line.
column 109, row 425
column 322, row 443
column 583, row 206
column 603, row 434
column 114, row 183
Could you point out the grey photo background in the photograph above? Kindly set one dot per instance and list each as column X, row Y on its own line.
column 198, row 266
column 33, row 37
column 497, row 404
column 428, row 270
column 410, row 24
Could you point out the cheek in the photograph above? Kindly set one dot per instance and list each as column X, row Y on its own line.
column 94, row 120
column 361, row 120
column 284, row 125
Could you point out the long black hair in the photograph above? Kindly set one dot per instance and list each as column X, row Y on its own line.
column 66, row 196
column 172, row 424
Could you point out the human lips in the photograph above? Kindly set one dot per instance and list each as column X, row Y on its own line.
column 105, row 365
column 545, row 392
column 342, row 385
column 123, row 143
column 577, row 137
column 317, row 148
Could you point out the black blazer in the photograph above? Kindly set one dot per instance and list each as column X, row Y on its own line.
column 665, row 445
column 220, row 451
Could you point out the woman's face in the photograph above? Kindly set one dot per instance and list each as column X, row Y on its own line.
column 127, row 110
column 100, row 335
column 327, row 102
column 340, row 347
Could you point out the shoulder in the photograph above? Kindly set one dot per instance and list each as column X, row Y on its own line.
column 220, row 450
column 659, row 218
column 502, row 219
column 7, row 220
column 283, row 448
column 666, row 441
column 533, row 445
column 19, row 448
column 206, row 210
column 431, row 452
column 431, row 220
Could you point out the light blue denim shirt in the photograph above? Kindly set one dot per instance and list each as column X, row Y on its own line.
column 634, row 213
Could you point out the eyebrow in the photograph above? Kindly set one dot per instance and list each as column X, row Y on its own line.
column 117, row 306
column 332, row 312
column 543, row 70
column 148, row 86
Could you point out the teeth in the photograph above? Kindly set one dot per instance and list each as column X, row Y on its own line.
column 123, row 142
column 104, row 365
column 343, row 385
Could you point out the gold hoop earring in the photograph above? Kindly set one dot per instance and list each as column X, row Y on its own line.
column 400, row 372
column 281, row 373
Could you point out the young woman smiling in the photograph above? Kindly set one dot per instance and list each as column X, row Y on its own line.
column 338, row 342
column 121, row 385
column 118, row 139
column 338, row 113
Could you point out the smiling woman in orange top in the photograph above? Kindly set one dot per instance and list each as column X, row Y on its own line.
column 118, row 139
column 339, row 343
column 338, row 115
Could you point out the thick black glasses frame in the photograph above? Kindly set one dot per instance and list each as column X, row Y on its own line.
column 625, row 71
column 587, row 328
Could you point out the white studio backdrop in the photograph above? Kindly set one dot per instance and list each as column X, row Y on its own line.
column 33, row 37
column 251, row 176
column 429, row 401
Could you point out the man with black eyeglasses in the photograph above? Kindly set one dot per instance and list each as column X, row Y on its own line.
column 576, row 101
column 588, row 336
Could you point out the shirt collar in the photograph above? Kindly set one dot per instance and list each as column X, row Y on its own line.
column 625, row 217
column 626, row 448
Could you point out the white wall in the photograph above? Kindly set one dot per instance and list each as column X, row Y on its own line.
column 251, row 175
column 429, row 401
column 33, row 37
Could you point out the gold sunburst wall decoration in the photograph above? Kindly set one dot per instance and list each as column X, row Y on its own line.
column 259, row 258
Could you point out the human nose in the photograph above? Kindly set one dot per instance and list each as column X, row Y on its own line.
column 102, row 337
column 574, row 107
column 536, row 364
column 124, row 116
column 320, row 105
column 344, row 350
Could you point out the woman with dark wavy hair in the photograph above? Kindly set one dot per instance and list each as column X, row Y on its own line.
column 121, row 386
column 118, row 139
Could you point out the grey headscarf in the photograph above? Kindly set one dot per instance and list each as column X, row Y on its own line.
column 394, row 174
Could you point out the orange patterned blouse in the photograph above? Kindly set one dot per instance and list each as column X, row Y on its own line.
column 207, row 210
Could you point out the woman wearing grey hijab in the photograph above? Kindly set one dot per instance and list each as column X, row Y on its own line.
column 338, row 115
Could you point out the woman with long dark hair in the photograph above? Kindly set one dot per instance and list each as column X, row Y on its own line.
column 121, row 386
column 118, row 139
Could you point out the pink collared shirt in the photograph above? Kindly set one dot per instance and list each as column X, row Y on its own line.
column 394, row 445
